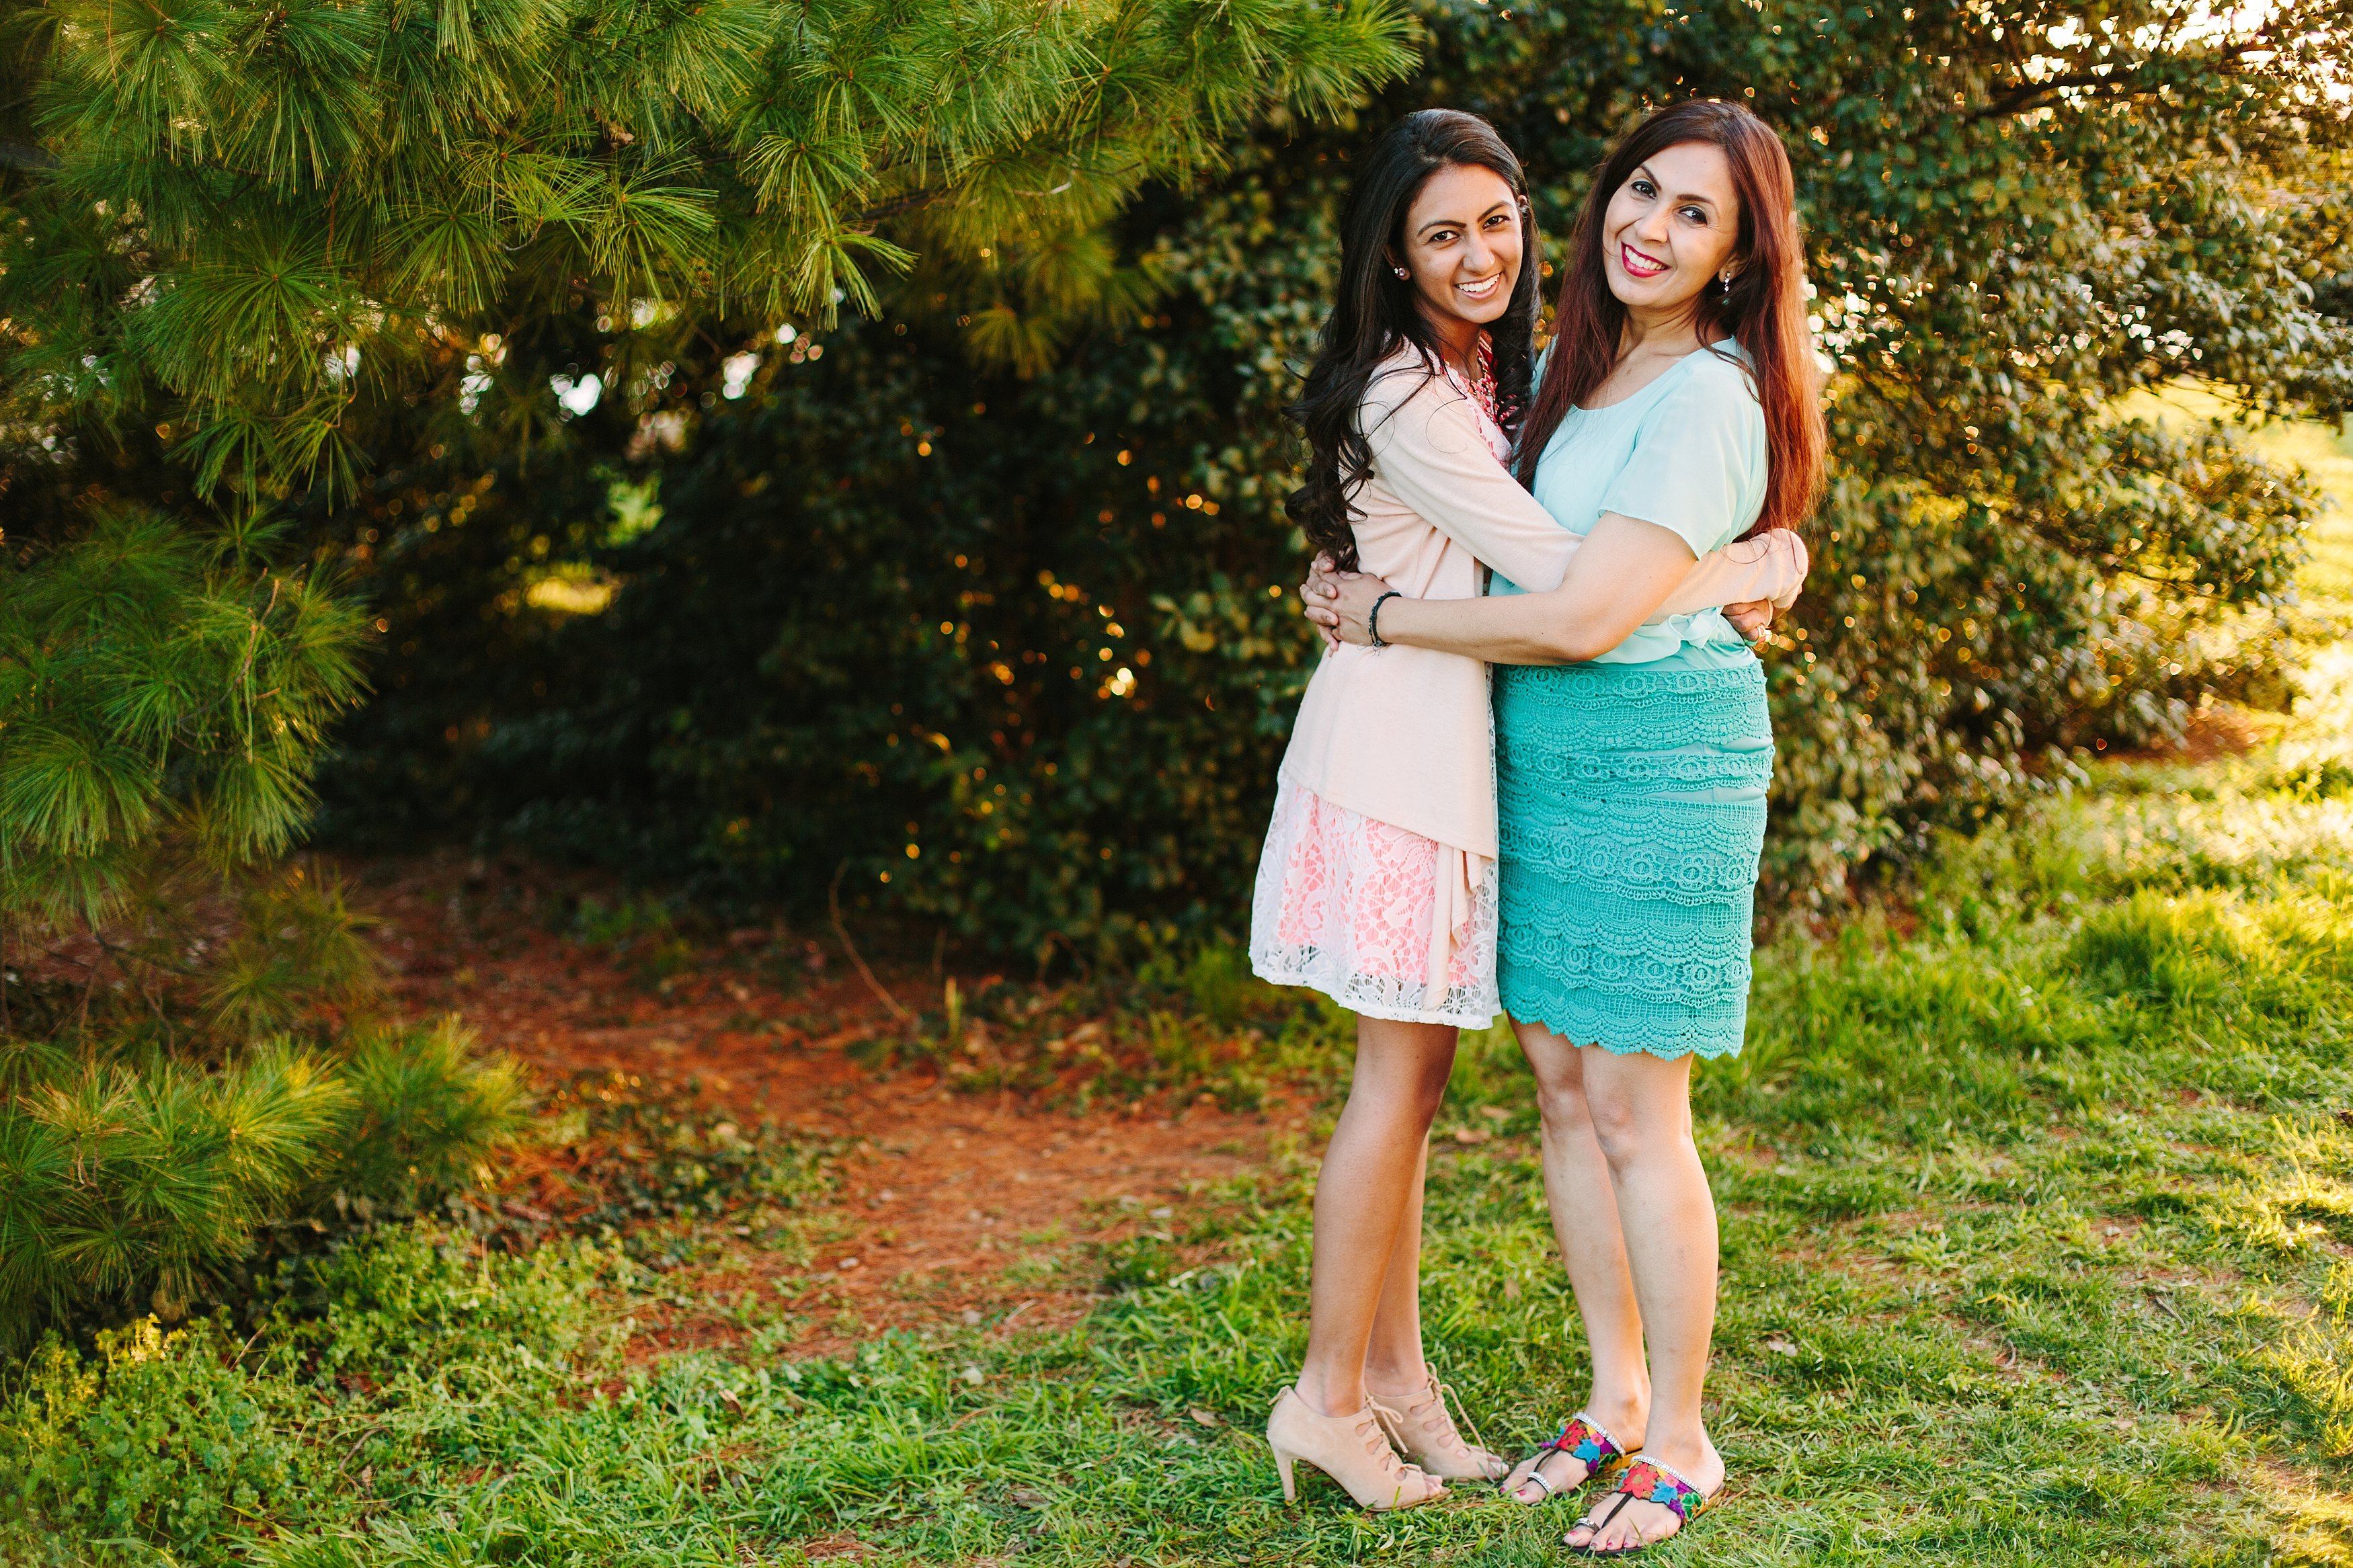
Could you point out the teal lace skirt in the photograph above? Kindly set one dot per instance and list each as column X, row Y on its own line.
column 1632, row 802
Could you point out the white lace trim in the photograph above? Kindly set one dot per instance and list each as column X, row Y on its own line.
column 1346, row 905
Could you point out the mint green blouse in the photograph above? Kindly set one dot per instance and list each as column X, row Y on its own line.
column 1687, row 453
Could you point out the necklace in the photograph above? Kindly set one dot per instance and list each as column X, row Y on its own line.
column 1480, row 385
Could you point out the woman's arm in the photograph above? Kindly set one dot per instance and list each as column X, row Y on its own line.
column 1429, row 450
column 1752, row 619
column 1623, row 573
column 1769, row 569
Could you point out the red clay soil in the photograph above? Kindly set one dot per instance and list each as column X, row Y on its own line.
column 951, row 1207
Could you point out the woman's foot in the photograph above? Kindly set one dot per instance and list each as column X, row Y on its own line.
column 1420, row 1428
column 1351, row 1449
column 1584, row 1449
column 1655, row 1498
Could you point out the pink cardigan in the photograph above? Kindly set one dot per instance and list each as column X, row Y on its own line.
column 1403, row 735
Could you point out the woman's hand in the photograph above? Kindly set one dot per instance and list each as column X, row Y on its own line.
column 1346, row 601
column 1315, row 597
column 1752, row 620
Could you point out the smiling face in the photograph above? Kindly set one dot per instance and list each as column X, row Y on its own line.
column 1670, row 229
column 1462, row 245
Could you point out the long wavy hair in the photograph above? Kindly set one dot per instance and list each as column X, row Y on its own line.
column 1376, row 310
column 1763, row 309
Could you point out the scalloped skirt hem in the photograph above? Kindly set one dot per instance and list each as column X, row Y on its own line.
column 1577, row 1036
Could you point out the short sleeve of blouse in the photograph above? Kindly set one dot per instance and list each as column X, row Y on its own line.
column 1698, row 467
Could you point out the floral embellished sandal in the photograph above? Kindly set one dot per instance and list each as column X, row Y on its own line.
column 1645, row 1480
column 1582, row 1439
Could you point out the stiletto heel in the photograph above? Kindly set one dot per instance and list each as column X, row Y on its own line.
column 1351, row 1449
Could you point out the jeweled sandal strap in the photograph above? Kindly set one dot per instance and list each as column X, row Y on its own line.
column 1647, row 1481
column 1583, row 1438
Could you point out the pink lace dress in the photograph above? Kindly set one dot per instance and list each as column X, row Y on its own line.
column 1385, row 921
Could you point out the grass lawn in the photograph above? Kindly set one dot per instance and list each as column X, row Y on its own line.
column 2038, row 1243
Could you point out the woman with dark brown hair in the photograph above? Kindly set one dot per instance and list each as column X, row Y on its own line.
column 1376, row 884
column 1677, row 409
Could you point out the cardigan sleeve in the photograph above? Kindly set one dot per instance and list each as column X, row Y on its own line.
column 1428, row 449
column 1771, row 566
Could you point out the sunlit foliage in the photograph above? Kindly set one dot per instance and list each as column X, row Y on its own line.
column 190, row 1049
column 255, row 214
column 1004, row 640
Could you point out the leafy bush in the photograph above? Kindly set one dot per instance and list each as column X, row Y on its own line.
column 168, row 1439
column 191, row 1441
column 1011, row 654
column 188, row 1048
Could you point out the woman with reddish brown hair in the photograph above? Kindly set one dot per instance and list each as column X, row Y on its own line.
column 1677, row 409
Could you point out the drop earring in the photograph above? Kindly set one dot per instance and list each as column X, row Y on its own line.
column 1723, row 280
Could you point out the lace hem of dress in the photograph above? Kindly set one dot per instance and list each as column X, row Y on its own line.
column 1373, row 995
column 1624, row 1030
column 1346, row 905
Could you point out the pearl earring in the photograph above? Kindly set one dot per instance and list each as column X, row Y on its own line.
column 1400, row 272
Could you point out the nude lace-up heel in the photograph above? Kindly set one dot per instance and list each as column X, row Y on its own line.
column 1422, row 1427
column 1351, row 1449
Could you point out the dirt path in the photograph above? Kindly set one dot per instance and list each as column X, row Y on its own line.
column 950, row 1207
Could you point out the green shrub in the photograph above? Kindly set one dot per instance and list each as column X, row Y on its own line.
column 1011, row 654
column 166, row 1441
column 203, row 1441
column 427, row 1109
column 190, row 1051
column 128, row 1185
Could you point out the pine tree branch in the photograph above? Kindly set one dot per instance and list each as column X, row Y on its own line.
column 899, row 205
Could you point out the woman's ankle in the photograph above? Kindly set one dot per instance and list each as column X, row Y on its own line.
column 1622, row 1415
column 1326, row 1398
column 1687, row 1450
column 1396, row 1377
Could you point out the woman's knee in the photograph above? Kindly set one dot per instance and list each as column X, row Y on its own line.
column 1427, row 1085
column 1619, row 1126
column 1559, row 1080
column 1635, row 1112
column 1414, row 1094
column 1404, row 1066
column 1560, row 1101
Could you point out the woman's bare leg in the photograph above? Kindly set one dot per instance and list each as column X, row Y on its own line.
column 1580, row 1193
column 1640, row 1107
column 1368, row 1190
column 1393, row 1360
